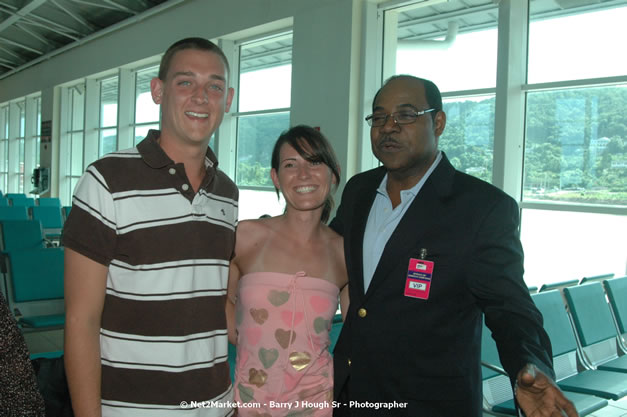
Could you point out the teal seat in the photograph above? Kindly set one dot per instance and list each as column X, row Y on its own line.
column 13, row 213
column 66, row 211
column 334, row 334
column 232, row 359
column 21, row 234
column 40, row 322
column 593, row 278
column 15, row 196
column 4, row 201
column 51, row 219
column 558, row 285
column 23, row 202
column 571, row 374
column 498, row 397
column 49, row 201
column 616, row 290
column 36, row 287
column 47, row 355
column 595, row 327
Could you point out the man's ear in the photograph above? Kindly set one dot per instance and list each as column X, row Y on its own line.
column 439, row 123
column 156, row 89
column 229, row 99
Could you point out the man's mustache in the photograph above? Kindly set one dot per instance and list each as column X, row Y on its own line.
column 385, row 140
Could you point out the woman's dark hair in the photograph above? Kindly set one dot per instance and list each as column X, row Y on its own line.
column 313, row 147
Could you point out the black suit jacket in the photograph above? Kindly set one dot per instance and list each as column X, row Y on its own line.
column 426, row 353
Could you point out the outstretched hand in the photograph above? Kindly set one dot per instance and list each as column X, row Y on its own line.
column 539, row 396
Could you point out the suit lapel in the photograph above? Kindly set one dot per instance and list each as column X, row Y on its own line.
column 411, row 229
column 364, row 200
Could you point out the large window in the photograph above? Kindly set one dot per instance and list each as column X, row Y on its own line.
column 575, row 162
column 557, row 140
column 19, row 142
column 108, row 140
column 146, row 111
column 37, row 160
column 263, row 113
column 433, row 46
column 4, row 148
column 576, row 138
column 565, row 245
column 76, row 121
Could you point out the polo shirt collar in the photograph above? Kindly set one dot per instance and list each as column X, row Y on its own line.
column 153, row 155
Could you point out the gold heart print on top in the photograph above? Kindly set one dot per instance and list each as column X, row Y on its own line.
column 283, row 337
column 300, row 360
column 278, row 298
column 259, row 315
column 257, row 377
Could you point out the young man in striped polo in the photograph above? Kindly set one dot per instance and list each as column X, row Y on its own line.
column 148, row 244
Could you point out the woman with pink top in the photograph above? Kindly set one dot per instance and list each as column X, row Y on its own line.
column 284, row 283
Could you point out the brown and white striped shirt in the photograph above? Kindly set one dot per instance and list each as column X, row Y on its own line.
column 163, row 337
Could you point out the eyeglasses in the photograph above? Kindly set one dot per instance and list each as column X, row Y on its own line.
column 404, row 117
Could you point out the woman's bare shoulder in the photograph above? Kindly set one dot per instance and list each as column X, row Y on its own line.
column 251, row 233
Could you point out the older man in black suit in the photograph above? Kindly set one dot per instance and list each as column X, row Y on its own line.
column 429, row 252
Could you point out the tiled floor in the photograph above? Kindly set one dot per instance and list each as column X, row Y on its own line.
column 44, row 341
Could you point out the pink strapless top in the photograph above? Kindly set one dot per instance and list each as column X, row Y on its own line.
column 283, row 322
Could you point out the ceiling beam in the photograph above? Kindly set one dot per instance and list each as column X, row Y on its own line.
column 50, row 24
column 74, row 36
column 75, row 16
column 21, row 45
column 110, row 6
column 32, row 33
column 10, row 52
column 121, row 7
column 20, row 14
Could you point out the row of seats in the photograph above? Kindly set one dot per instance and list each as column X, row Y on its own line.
column 52, row 218
column 587, row 325
column 19, row 199
column 32, row 269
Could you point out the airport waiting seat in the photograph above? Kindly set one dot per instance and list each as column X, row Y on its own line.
column 616, row 290
column 13, row 213
column 334, row 333
column 570, row 372
column 498, row 398
column 21, row 234
column 15, row 235
column 595, row 328
column 232, row 356
column 35, row 287
column 51, row 220
column 558, row 285
column 15, row 196
column 65, row 210
column 25, row 202
column 4, row 201
column 49, row 201
column 594, row 278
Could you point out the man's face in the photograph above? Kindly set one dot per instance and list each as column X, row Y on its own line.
column 194, row 96
column 405, row 150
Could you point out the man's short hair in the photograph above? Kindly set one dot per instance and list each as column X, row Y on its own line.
column 432, row 92
column 200, row 44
